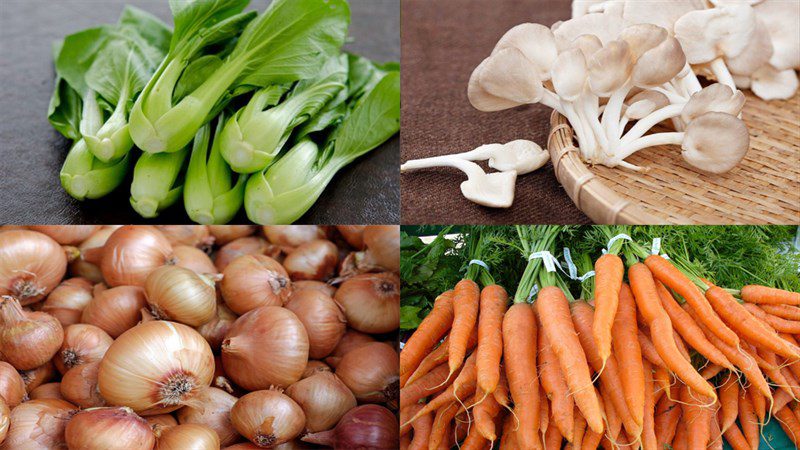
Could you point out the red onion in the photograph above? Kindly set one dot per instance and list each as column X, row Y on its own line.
column 369, row 426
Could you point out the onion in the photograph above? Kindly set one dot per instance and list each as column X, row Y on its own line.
column 325, row 288
column 31, row 265
column 156, row 367
column 383, row 247
column 92, row 246
column 371, row 302
column 313, row 260
column 67, row 301
column 83, row 343
column 132, row 252
column 27, row 339
column 213, row 410
column 251, row 245
column 193, row 258
column 266, row 347
column 115, row 310
column 252, row 281
column 324, row 399
column 38, row 425
column 290, row 445
column 214, row 330
column 36, row 377
column 314, row 367
column 192, row 235
column 227, row 233
column 293, row 235
column 353, row 234
column 49, row 390
column 189, row 436
column 368, row 426
column 109, row 429
column 67, row 234
column 322, row 318
column 351, row 340
column 161, row 420
column 79, row 386
column 12, row 387
column 5, row 419
column 179, row 294
column 268, row 418
column 371, row 372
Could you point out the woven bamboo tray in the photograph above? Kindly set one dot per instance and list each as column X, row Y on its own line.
column 763, row 188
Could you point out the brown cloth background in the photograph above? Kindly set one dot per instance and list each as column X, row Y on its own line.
column 442, row 41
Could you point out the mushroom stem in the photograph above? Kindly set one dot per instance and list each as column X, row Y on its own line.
column 672, row 96
column 468, row 167
column 611, row 116
column 651, row 140
column 689, row 80
column 721, row 73
column 585, row 143
column 550, row 99
column 644, row 124
column 590, row 105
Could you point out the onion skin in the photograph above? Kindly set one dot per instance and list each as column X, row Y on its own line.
column 27, row 339
column 115, row 310
column 266, row 347
column 83, row 343
column 190, row 436
column 32, row 265
column 67, row 234
column 214, row 411
column 194, row 259
column 214, row 330
column 313, row 260
column 228, row 233
column 68, row 300
column 38, row 425
column 90, row 270
column 191, row 235
column 109, row 429
column 353, row 234
column 324, row 399
column 252, row 281
column 36, row 377
column 49, row 390
column 132, row 252
column 383, row 246
column 268, row 418
column 325, row 288
column 5, row 419
column 12, row 387
column 371, row 372
column 368, row 426
column 292, row 235
column 371, row 302
column 161, row 420
column 79, row 386
column 156, row 367
column 251, row 245
column 322, row 318
column 351, row 340
column 314, row 367
column 181, row 295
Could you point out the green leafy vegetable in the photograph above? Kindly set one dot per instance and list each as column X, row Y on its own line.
column 156, row 178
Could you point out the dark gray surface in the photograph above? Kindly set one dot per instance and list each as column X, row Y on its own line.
column 31, row 151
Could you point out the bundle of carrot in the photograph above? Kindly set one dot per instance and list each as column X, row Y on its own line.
column 652, row 354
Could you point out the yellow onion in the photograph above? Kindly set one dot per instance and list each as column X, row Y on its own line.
column 352, row 339
column 87, row 265
column 191, row 235
column 49, row 390
column 67, row 301
column 27, row 339
column 293, row 235
column 371, row 302
column 5, row 419
column 266, row 347
column 213, row 410
column 322, row 318
column 12, row 387
column 367, row 426
column 36, row 377
column 323, row 398
column 313, row 367
column 214, row 330
column 383, row 247
column 227, row 233
column 132, row 252
column 353, row 234
column 371, row 372
column 190, row 436
column 31, row 265
column 252, row 281
column 67, row 234
column 325, row 288
column 79, row 386
column 115, row 310
column 156, row 367
column 289, row 445
column 109, row 429
column 313, row 260
column 251, row 245
column 161, row 420
column 179, row 294
column 193, row 258
column 268, row 418
column 38, row 425
column 83, row 343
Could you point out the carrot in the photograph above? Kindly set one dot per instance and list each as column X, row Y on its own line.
column 405, row 442
column 519, row 347
column 661, row 332
column 777, row 375
column 628, row 353
column 649, row 441
column 430, row 331
column 613, row 420
column 680, row 344
column 422, row 432
column 789, row 423
column 484, row 413
column 441, row 421
column 710, row 371
column 474, row 440
column 591, row 440
column 648, row 349
column 736, row 439
column 792, row 386
column 500, row 394
column 748, row 420
column 552, row 381
column 716, row 434
column 544, row 412
column 438, row 356
column 464, row 385
column 668, row 274
column 770, row 296
column 788, row 312
column 729, row 402
column 467, row 376
column 405, row 415
column 490, row 337
column 696, row 416
column 608, row 273
column 759, row 404
column 424, row 387
column 508, row 440
column 466, row 297
column 681, row 439
column 778, row 323
column 688, row 329
column 663, row 380
column 553, row 438
column 554, row 313
column 580, row 428
column 667, row 416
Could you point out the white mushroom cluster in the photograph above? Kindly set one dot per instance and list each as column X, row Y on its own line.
column 603, row 73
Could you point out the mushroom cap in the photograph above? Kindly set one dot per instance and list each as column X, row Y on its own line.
column 588, row 44
column 757, row 52
column 783, row 22
column 641, row 37
column 664, row 15
column 504, row 80
column 660, row 64
column 535, row 42
column 569, row 74
column 715, row 142
column 659, row 100
column 605, row 26
column 521, row 156
column 711, row 33
column 772, row 84
column 715, row 97
column 610, row 67
column 495, row 190
column 741, row 81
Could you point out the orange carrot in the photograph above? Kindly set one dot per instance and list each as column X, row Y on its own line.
column 696, row 415
column 490, row 337
column 608, row 273
column 649, row 441
column 667, row 416
column 441, row 421
column 770, row 296
column 438, row 356
column 748, row 419
column 464, row 385
column 580, row 428
column 466, row 297
column 591, row 440
column 405, row 414
column 788, row 312
column 628, row 353
column 508, row 440
column 681, row 439
column 554, row 313
column 729, row 402
column 736, row 439
column 553, row 438
column 759, row 404
column 792, row 386
column 484, row 413
column 422, row 432
column 716, row 434
column 778, row 323
column 544, row 412
column 424, row 387
column 613, row 419
column 474, row 440
column 519, row 347
column 663, row 381
column 789, row 423
column 430, row 331
column 405, row 442
column 552, row 381
column 500, row 393
column 648, row 349
column 710, row 371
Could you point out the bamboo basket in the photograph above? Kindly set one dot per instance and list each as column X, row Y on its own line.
column 763, row 189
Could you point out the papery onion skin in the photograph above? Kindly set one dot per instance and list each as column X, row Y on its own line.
column 371, row 372
column 161, row 420
column 368, row 426
column 214, row 330
column 49, row 390
column 179, row 294
column 324, row 399
column 83, row 343
column 325, row 288
column 292, row 235
column 252, row 281
column 68, row 300
column 371, row 302
column 213, row 411
column 313, row 260
column 266, row 347
column 268, row 418
column 36, row 377
column 27, row 339
column 115, row 310
column 109, row 429
column 353, row 234
column 38, row 425
column 228, row 233
column 194, row 259
column 32, row 264
column 190, row 436
column 79, row 386
column 192, row 235
column 132, row 252
column 90, row 270
column 290, row 445
column 383, row 246
column 351, row 340
column 12, row 387
column 5, row 420
column 156, row 367
column 250, row 245
column 314, row 367
column 322, row 318
column 67, row 234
